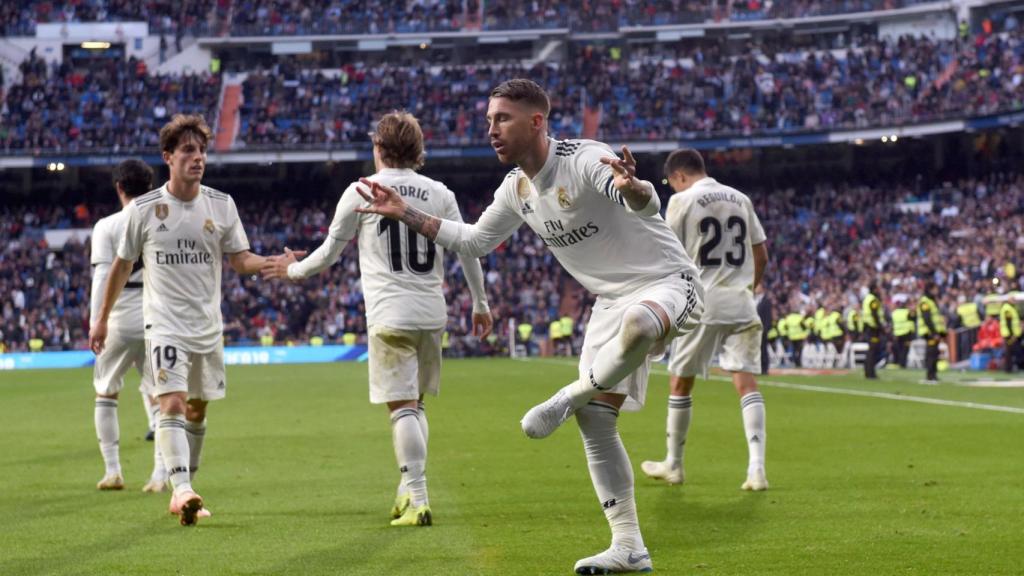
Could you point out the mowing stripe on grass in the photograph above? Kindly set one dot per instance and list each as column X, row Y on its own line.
column 830, row 390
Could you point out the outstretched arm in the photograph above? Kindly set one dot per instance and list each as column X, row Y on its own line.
column 638, row 194
column 246, row 262
column 496, row 224
column 386, row 202
column 288, row 266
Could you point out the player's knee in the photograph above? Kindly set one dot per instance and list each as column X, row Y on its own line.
column 640, row 327
column 745, row 383
column 596, row 417
column 173, row 404
column 195, row 411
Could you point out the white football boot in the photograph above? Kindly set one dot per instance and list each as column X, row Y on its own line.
column 756, row 480
column 616, row 561
column 544, row 418
column 663, row 470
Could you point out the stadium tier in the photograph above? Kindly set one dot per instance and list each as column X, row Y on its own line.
column 666, row 92
column 281, row 18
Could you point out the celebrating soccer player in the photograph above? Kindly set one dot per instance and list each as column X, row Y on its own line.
column 402, row 275
column 182, row 231
column 603, row 225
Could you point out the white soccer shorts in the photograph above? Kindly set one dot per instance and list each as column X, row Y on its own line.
column 118, row 357
column 739, row 346
column 404, row 364
column 200, row 375
column 682, row 297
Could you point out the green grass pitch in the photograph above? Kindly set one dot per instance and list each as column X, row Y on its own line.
column 299, row 472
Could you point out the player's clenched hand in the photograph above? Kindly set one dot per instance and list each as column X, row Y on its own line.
column 482, row 324
column 624, row 171
column 277, row 266
column 98, row 337
column 380, row 200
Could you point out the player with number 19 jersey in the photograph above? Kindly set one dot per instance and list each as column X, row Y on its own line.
column 717, row 225
column 183, row 246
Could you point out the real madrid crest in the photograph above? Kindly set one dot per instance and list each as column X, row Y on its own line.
column 208, row 226
column 563, row 198
column 161, row 211
column 161, row 375
column 523, row 187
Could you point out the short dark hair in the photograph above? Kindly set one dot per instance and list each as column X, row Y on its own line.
column 526, row 91
column 400, row 140
column 686, row 159
column 181, row 124
column 134, row 176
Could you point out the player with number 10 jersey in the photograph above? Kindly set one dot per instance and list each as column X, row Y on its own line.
column 402, row 274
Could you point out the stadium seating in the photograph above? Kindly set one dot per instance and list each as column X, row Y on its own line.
column 117, row 106
column 284, row 18
column 661, row 93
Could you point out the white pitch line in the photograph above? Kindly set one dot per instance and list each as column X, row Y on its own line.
column 830, row 390
column 891, row 396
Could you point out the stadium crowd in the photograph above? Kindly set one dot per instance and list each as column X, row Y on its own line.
column 825, row 244
column 670, row 92
column 19, row 17
column 108, row 105
column 288, row 18
column 666, row 92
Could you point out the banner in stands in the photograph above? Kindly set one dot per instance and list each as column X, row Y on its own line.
column 233, row 356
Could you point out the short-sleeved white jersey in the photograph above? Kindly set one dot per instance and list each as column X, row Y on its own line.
column 582, row 218
column 126, row 315
column 718, row 226
column 183, row 246
column 402, row 272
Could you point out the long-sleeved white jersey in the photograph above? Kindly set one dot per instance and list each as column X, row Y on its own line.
column 402, row 272
column 572, row 204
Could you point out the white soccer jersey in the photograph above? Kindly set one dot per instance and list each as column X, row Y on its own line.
column 402, row 272
column 183, row 246
column 718, row 225
column 126, row 315
column 582, row 218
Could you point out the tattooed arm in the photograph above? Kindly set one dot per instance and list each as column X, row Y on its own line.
column 496, row 224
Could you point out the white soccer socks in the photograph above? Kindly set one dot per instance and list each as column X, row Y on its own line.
column 172, row 440
column 402, row 491
column 621, row 356
column 109, row 434
column 195, row 432
column 611, row 473
column 678, row 425
column 752, row 407
column 410, row 452
column 152, row 411
column 424, row 427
